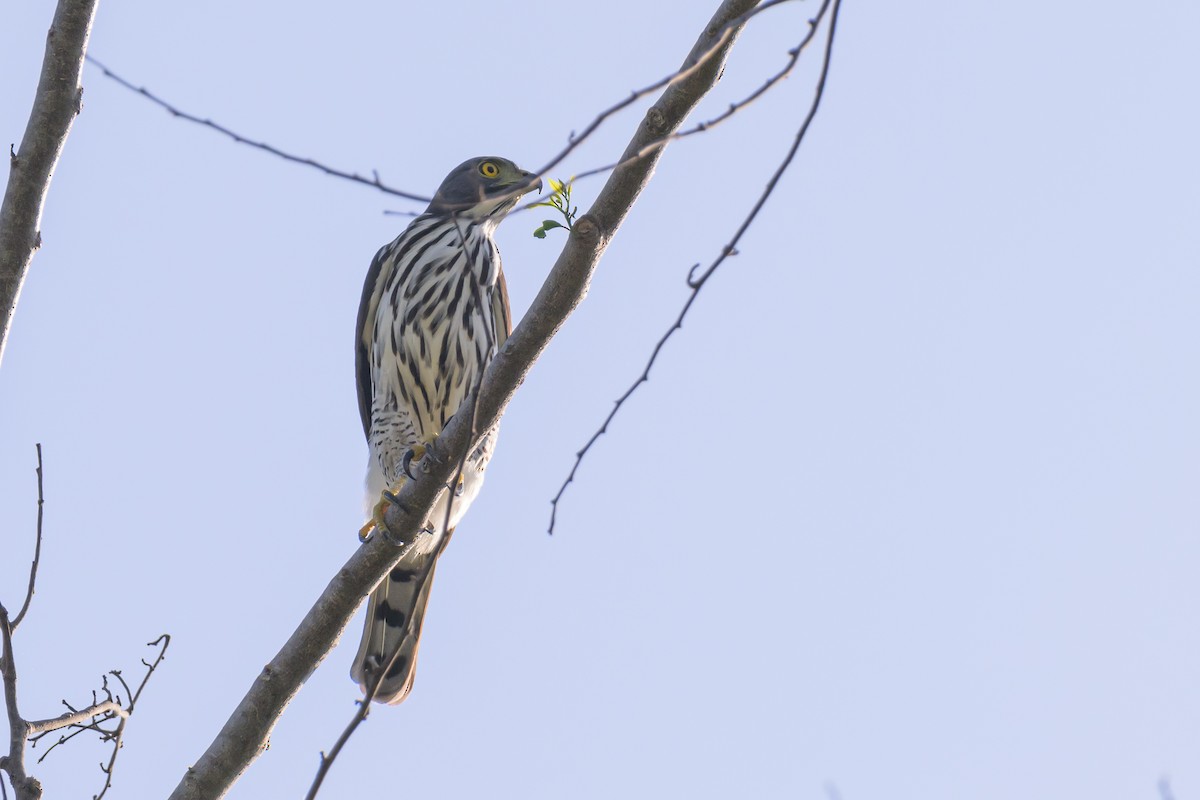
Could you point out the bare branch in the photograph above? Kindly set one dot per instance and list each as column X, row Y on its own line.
column 35, row 740
column 94, row 717
column 385, row 667
column 57, row 101
column 37, row 548
column 373, row 181
column 25, row 786
column 735, row 107
column 108, row 708
column 720, row 37
column 730, row 249
column 245, row 734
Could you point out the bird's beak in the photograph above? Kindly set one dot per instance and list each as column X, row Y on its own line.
column 530, row 182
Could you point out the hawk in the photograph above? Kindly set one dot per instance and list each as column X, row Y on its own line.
column 434, row 312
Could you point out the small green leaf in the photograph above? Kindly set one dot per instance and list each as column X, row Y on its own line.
column 547, row 225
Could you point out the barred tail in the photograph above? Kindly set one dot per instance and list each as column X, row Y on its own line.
column 394, row 615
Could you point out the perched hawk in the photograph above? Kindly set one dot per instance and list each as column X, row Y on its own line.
column 434, row 311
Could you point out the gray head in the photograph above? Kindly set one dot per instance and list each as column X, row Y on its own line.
column 483, row 187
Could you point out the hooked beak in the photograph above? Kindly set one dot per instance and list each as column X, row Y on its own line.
column 530, row 183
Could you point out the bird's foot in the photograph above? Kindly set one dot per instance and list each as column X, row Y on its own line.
column 418, row 452
column 415, row 455
column 376, row 523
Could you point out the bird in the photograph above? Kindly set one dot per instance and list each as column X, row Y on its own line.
column 434, row 312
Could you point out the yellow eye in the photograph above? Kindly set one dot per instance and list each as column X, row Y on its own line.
column 488, row 170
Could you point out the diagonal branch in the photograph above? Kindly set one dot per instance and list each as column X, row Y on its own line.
column 59, row 98
column 374, row 181
column 696, row 283
column 245, row 734
column 736, row 106
column 720, row 37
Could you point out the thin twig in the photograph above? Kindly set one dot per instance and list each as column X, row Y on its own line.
column 35, row 740
column 734, row 107
column 99, row 712
column 116, row 736
column 37, row 548
column 721, row 38
column 573, row 141
column 697, row 283
column 373, row 181
column 385, row 667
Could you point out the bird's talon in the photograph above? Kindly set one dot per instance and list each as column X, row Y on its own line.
column 387, row 498
column 415, row 453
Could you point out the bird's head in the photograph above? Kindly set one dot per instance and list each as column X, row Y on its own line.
column 486, row 186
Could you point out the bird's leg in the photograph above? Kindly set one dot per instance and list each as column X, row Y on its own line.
column 388, row 497
column 416, row 454
column 376, row 523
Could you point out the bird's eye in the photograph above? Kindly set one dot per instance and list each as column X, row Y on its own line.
column 488, row 169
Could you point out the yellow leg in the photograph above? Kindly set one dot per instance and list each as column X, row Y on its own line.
column 376, row 521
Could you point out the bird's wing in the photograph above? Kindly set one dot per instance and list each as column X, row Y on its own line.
column 500, row 309
column 364, row 333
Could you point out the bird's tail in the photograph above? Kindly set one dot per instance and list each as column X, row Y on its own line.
column 393, row 628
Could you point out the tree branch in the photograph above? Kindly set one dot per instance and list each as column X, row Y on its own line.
column 107, row 708
column 245, row 734
column 373, row 181
column 37, row 548
column 25, row 786
column 717, row 40
column 694, row 282
column 92, row 718
column 59, row 98
column 734, row 107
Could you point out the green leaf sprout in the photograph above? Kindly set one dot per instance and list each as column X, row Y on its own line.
column 560, row 200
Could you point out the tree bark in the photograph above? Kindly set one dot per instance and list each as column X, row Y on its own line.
column 246, row 732
column 58, row 99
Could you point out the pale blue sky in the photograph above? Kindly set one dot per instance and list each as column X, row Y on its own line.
column 910, row 506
